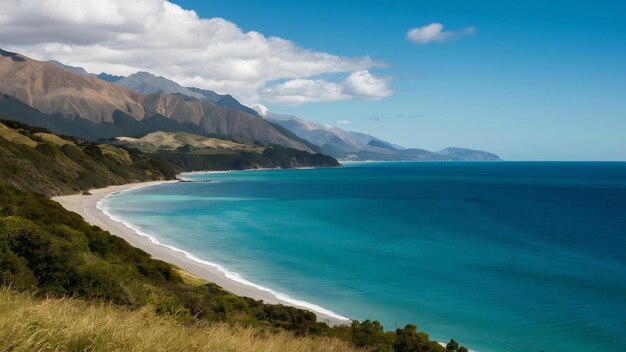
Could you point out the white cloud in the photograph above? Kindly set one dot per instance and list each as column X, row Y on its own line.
column 302, row 91
column 360, row 84
column 434, row 33
column 125, row 36
column 343, row 122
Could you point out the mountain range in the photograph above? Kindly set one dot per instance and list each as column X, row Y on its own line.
column 348, row 145
column 70, row 100
column 91, row 108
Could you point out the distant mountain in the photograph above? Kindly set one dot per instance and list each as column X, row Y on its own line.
column 347, row 144
column 91, row 108
column 109, row 78
column 228, row 101
column 468, row 154
column 77, row 70
column 147, row 83
column 81, row 71
column 322, row 135
column 207, row 95
column 350, row 145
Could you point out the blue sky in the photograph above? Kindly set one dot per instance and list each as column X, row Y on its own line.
column 529, row 80
column 539, row 80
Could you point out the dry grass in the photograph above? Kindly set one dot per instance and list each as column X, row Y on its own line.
column 54, row 139
column 117, row 153
column 31, row 324
column 189, row 278
column 15, row 137
column 175, row 140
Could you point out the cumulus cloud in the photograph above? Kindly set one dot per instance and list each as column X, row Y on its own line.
column 360, row 84
column 434, row 33
column 125, row 36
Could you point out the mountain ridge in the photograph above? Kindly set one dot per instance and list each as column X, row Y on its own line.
column 55, row 91
column 351, row 145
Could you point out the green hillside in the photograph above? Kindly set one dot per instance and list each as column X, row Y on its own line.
column 36, row 160
column 191, row 152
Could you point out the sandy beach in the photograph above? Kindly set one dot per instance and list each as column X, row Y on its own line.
column 86, row 206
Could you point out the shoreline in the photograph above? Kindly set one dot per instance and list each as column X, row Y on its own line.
column 89, row 207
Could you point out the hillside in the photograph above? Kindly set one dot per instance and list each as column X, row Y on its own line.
column 73, row 324
column 103, row 110
column 54, row 90
column 190, row 152
column 174, row 140
column 36, row 160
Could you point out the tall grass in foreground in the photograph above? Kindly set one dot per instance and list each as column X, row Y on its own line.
column 28, row 323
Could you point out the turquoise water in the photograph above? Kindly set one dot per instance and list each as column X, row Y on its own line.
column 500, row 256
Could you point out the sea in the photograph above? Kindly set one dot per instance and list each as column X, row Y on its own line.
column 500, row 256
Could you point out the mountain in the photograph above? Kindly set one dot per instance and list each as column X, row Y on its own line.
column 468, row 154
column 147, row 83
column 347, row 144
column 321, row 135
column 82, row 72
column 228, row 101
column 350, row 145
column 109, row 78
column 77, row 70
column 54, row 90
column 91, row 108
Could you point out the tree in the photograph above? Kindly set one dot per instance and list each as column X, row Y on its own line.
column 452, row 346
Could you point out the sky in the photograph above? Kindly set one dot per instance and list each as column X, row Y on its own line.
column 528, row 80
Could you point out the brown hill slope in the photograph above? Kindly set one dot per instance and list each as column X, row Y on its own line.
column 55, row 91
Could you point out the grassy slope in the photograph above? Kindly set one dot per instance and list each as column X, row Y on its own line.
column 190, row 152
column 33, row 159
column 29, row 323
column 175, row 140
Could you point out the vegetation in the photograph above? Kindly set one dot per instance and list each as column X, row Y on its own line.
column 155, row 141
column 190, row 152
column 274, row 156
column 29, row 323
column 34, row 159
column 122, row 298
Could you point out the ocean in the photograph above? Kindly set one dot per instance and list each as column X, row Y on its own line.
column 500, row 256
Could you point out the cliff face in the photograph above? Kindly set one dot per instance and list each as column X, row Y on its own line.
column 53, row 90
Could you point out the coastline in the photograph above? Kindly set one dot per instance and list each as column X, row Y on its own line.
column 88, row 206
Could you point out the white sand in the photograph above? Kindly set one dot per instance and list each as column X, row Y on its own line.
column 86, row 206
